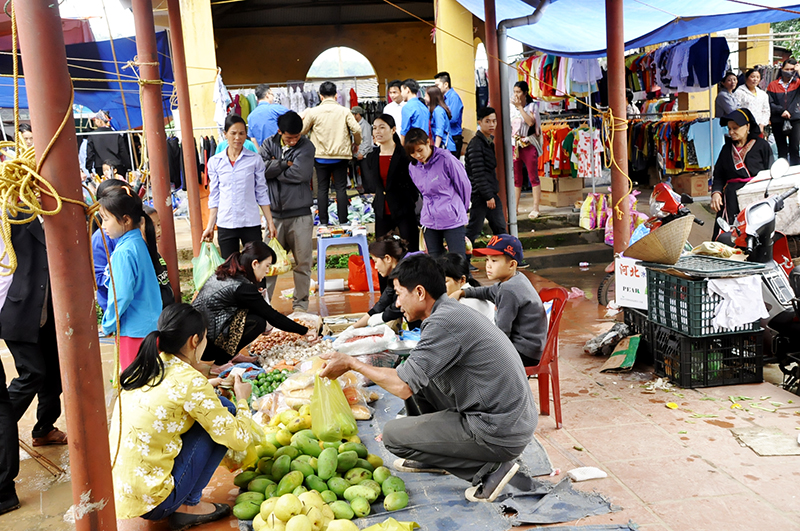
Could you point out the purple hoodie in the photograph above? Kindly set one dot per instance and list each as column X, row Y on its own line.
column 445, row 190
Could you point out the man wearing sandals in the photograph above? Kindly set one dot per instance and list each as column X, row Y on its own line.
column 476, row 412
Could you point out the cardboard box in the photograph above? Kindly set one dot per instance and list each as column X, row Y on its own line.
column 329, row 329
column 692, row 184
column 561, row 184
column 561, row 199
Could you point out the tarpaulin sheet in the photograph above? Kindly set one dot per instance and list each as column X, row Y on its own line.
column 577, row 28
column 95, row 60
column 437, row 501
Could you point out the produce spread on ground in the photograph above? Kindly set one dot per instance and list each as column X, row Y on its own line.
column 302, row 476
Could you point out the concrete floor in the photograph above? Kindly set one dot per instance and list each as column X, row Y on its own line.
column 666, row 469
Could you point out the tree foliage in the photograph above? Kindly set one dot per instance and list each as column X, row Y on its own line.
column 792, row 43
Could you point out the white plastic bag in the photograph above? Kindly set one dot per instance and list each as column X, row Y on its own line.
column 358, row 341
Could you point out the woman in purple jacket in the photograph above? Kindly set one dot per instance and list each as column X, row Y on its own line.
column 445, row 188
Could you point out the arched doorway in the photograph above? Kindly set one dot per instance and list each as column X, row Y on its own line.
column 347, row 68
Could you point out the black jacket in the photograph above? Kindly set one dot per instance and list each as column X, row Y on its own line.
column 757, row 159
column 21, row 314
column 104, row 147
column 289, row 187
column 481, row 166
column 400, row 193
column 781, row 100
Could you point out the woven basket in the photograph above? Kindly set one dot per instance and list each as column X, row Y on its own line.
column 663, row 245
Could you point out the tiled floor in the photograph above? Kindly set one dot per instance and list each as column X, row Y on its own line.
column 667, row 469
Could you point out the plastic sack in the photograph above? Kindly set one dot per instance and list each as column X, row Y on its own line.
column 282, row 263
column 603, row 201
column 390, row 524
column 357, row 274
column 358, row 341
column 331, row 417
column 205, row 264
column 248, row 458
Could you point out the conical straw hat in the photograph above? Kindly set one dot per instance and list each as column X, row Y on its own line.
column 663, row 245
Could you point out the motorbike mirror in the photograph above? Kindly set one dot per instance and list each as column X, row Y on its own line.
column 779, row 168
column 724, row 225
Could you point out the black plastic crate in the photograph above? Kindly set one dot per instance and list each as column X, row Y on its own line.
column 685, row 306
column 692, row 362
column 638, row 322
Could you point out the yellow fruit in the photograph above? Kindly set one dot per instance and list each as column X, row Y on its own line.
column 259, row 523
column 275, row 524
column 315, row 517
column 288, row 415
column 312, row 499
column 299, row 423
column 267, row 507
column 284, row 437
column 304, row 410
column 342, row 525
column 275, row 421
column 353, row 438
column 288, row 506
column 299, row 523
column 374, row 460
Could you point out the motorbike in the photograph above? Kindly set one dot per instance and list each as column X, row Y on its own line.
column 754, row 232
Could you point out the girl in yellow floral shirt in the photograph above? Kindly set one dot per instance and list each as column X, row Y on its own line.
column 174, row 429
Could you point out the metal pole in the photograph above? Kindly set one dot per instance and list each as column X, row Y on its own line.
column 591, row 136
column 153, row 115
column 49, row 88
column 615, row 44
column 504, row 123
column 710, row 111
column 495, row 98
column 187, row 139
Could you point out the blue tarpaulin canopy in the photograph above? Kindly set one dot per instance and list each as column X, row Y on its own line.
column 577, row 28
column 94, row 60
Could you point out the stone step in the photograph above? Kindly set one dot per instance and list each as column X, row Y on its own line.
column 569, row 255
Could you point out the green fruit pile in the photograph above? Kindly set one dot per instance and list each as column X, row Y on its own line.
column 266, row 383
column 331, row 482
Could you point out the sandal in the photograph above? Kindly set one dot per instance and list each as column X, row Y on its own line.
column 533, row 214
column 181, row 521
column 55, row 437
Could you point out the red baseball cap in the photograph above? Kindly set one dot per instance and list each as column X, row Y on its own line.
column 502, row 244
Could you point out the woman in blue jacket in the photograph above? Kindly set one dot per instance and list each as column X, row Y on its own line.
column 440, row 120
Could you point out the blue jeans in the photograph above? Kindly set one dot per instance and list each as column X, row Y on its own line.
column 194, row 465
column 434, row 241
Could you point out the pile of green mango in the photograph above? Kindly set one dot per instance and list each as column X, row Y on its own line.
column 347, row 478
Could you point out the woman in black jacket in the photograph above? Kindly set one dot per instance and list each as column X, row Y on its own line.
column 744, row 154
column 235, row 309
column 784, row 106
column 386, row 175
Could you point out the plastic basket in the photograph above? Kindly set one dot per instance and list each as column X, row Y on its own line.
column 685, row 306
column 708, row 267
column 691, row 362
column 638, row 322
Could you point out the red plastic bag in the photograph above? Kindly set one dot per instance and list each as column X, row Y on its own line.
column 357, row 277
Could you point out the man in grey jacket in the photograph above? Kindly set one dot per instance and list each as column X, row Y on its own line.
column 289, row 160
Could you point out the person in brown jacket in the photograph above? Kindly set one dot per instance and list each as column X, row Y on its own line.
column 329, row 126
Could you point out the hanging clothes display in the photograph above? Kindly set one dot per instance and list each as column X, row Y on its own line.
column 553, row 78
column 679, row 143
column 571, row 150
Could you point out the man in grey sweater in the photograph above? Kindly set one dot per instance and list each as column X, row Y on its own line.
column 289, row 160
column 519, row 311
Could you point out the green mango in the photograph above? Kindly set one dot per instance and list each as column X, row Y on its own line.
column 395, row 501
column 326, row 463
column 393, row 484
column 331, row 444
column 291, row 451
column 259, row 485
column 271, row 490
column 356, row 475
column 381, row 473
column 342, row 510
column 256, row 497
column 366, row 465
column 244, row 478
column 265, row 465
column 360, row 491
column 313, row 482
column 374, row 485
column 360, row 506
column 338, row 485
column 328, row 496
column 305, row 468
column 281, row 467
column 307, row 446
column 299, row 490
column 272, row 439
column 346, row 461
column 289, row 482
column 246, row 510
column 358, row 448
column 267, row 449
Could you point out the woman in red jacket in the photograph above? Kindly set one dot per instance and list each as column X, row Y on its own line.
column 784, row 106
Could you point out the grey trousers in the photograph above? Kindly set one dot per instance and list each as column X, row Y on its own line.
column 295, row 235
column 443, row 439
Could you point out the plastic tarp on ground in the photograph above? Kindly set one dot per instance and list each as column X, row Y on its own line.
column 95, row 60
column 577, row 28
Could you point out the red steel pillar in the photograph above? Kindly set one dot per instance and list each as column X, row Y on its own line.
column 156, row 137
column 495, row 100
column 48, row 89
column 615, row 44
column 187, row 133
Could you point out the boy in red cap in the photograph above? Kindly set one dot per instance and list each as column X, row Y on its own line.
column 519, row 311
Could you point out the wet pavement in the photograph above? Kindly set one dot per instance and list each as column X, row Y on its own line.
column 678, row 470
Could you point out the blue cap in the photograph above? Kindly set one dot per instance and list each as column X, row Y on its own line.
column 502, row 244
